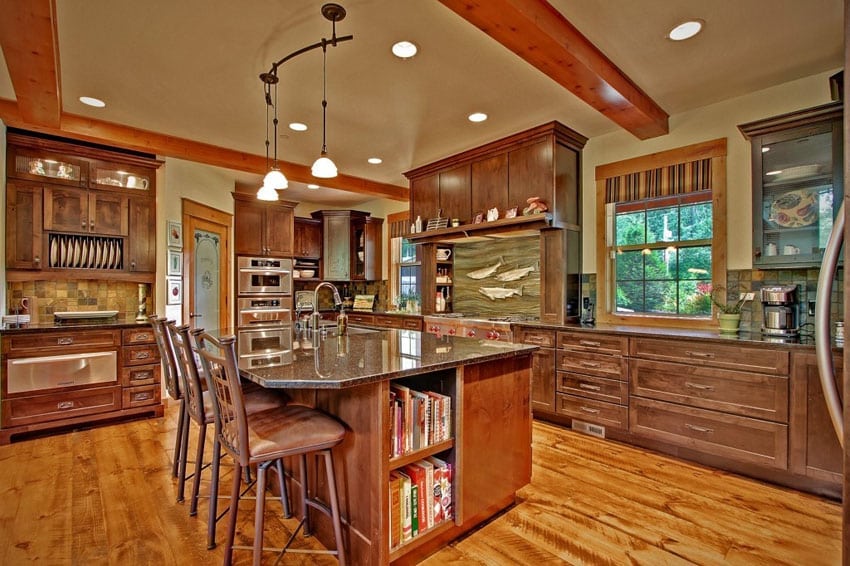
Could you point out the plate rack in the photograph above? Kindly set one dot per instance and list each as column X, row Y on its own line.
column 67, row 251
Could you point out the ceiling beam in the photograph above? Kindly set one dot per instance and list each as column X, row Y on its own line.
column 541, row 35
column 30, row 45
column 98, row 131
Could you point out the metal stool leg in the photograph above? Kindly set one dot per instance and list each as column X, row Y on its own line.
column 259, row 516
column 284, row 493
column 305, row 509
column 234, row 506
column 199, row 465
column 334, row 502
column 213, row 513
column 178, row 439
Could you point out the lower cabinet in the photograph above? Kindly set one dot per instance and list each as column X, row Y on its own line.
column 542, row 368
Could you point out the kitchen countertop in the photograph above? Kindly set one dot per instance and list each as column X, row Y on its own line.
column 78, row 324
column 370, row 355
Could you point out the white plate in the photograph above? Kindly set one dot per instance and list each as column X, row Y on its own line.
column 111, row 256
column 84, row 314
column 54, row 252
column 84, row 253
column 77, row 253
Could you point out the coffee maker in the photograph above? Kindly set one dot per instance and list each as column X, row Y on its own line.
column 781, row 312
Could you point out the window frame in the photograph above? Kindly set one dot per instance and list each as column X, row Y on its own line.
column 394, row 247
column 606, row 285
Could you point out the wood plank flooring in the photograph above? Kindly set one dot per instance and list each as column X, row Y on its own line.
column 106, row 496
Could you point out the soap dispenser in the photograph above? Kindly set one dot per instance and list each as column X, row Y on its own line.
column 341, row 322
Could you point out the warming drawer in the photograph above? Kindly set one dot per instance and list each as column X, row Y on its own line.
column 51, row 372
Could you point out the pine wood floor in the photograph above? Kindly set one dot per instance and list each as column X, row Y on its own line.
column 106, row 496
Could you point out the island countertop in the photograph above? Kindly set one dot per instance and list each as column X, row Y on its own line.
column 369, row 355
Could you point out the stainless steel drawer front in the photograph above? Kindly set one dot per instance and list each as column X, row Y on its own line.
column 50, row 372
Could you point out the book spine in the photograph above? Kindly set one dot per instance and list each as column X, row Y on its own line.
column 414, row 510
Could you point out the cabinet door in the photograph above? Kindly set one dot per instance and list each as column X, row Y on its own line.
column 543, row 380
column 455, row 193
column 141, row 244
column 249, row 224
column 23, row 227
column 278, row 230
column 337, row 248
column 372, row 249
column 424, row 197
column 108, row 213
column 66, row 209
column 531, row 172
column 308, row 238
column 489, row 184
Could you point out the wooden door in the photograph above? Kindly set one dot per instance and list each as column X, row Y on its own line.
column 531, row 172
column 454, row 193
column 489, row 184
column 337, row 248
column 23, row 227
column 279, row 222
column 108, row 213
column 425, row 198
column 249, row 228
column 206, row 261
column 373, row 249
column 308, row 238
column 66, row 209
column 141, row 243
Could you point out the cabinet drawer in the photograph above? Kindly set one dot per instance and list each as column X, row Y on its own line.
column 593, row 342
column 388, row 321
column 589, row 410
column 543, row 338
column 138, row 336
column 730, row 356
column 142, row 354
column 55, row 406
column 742, row 393
column 412, row 324
column 361, row 318
column 587, row 363
column 141, row 375
column 599, row 388
column 730, row 436
column 141, row 396
column 44, row 343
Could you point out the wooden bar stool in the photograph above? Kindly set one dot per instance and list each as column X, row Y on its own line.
column 172, row 387
column 263, row 439
column 199, row 408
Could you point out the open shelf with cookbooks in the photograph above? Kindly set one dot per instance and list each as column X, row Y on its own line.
column 422, row 465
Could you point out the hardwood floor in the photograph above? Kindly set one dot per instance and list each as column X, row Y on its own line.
column 106, row 496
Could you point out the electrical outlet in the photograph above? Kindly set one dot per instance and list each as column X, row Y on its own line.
column 811, row 309
column 749, row 296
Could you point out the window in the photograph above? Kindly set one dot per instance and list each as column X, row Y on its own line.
column 405, row 270
column 661, row 236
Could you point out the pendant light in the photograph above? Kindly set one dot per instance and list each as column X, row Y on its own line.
column 274, row 180
column 324, row 168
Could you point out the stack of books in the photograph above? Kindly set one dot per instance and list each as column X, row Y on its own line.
column 420, row 498
column 418, row 419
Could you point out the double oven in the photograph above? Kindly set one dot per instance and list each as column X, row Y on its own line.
column 264, row 311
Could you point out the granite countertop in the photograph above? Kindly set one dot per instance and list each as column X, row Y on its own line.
column 78, row 324
column 369, row 355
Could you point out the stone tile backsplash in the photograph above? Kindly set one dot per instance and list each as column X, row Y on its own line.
column 47, row 297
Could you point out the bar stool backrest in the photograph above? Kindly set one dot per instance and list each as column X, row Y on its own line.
column 163, row 342
column 218, row 359
column 188, row 370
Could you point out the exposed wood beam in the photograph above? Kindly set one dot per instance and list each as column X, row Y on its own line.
column 541, row 35
column 30, row 45
column 98, row 131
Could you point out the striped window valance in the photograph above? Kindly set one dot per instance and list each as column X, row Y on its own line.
column 676, row 179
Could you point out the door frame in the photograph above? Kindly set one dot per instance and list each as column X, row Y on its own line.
column 197, row 215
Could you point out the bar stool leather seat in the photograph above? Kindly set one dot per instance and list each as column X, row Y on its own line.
column 289, row 430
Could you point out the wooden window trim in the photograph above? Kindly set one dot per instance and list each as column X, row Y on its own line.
column 394, row 253
column 714, row 149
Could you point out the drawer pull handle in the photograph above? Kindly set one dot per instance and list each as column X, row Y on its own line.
column 143, row 355
column 144, row 396
column 533, row 340
column 140, row 375
column 589, row 387
column 699, row 386
column 65, row 341
column 590, row 343
column 140, row 337
column 589, row 364
column 700, row 354
column 64, row 383
column 589, row 410
column 699, row 428
column 64, row 405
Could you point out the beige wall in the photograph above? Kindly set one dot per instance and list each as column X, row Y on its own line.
column 710, row 122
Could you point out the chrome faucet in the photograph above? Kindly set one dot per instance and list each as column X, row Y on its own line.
column 314, row 318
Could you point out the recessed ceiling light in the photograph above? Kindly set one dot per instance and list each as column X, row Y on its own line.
column 685, row 30
column 404, row 49
column 375, row 160
column 298, row 127
column 90, row 101
column 312, row 186
column 765, row 149
column 477, row 117
column 776, row 172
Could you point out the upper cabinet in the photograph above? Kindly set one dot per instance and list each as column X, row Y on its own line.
column 263, row 228
column 308, row 238
column 351, row 245
column 78, row 207
column 797, row 164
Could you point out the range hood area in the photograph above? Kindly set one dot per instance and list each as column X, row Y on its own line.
column 505, row 228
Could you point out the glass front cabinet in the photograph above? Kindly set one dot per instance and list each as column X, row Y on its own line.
column 797, row 185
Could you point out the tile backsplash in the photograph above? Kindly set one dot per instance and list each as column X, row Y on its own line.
column 47, row 297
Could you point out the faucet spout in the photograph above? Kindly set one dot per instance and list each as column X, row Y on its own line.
column 314, row 317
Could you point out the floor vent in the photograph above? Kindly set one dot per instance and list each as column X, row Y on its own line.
column 588, row 428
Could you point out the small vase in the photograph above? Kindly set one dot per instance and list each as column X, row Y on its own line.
column 729, row 323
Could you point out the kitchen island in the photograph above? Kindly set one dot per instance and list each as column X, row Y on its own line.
column 488, row 448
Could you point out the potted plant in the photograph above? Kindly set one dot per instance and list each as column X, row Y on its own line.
column 728, row 314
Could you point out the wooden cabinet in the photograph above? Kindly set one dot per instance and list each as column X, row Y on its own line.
column 455, row 201
column 797, row 172
column 351, row 245
column 308, row 238
column 141, row 246
column 79, row 210
column 542, row 367
column 261, row 228
column 140, row 371
column 23, row 226
column 39, row 160
column 489, row 184
column 424, row 197
column 560, row 275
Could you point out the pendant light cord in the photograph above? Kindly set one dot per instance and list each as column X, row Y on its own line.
column 324, row 96
column 275, row 125
column 268, row 103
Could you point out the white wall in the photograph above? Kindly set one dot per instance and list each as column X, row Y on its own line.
column 709, row 122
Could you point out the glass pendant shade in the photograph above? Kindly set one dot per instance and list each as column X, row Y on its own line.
column 324, row 168
column 266, row 192
column 275, row 179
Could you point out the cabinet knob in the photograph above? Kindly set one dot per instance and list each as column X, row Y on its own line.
column 36, row 259
column 91, row 224
column 83, row 224
column 133, row 265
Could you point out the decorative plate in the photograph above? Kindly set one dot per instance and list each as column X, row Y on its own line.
column 795, row 209
column 84, row 314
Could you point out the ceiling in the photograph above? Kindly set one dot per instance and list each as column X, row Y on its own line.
column 189, row 70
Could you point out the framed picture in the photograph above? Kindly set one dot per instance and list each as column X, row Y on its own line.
column 175, row 263
column 175, row 291
column 479, row 218
column 175, row 235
